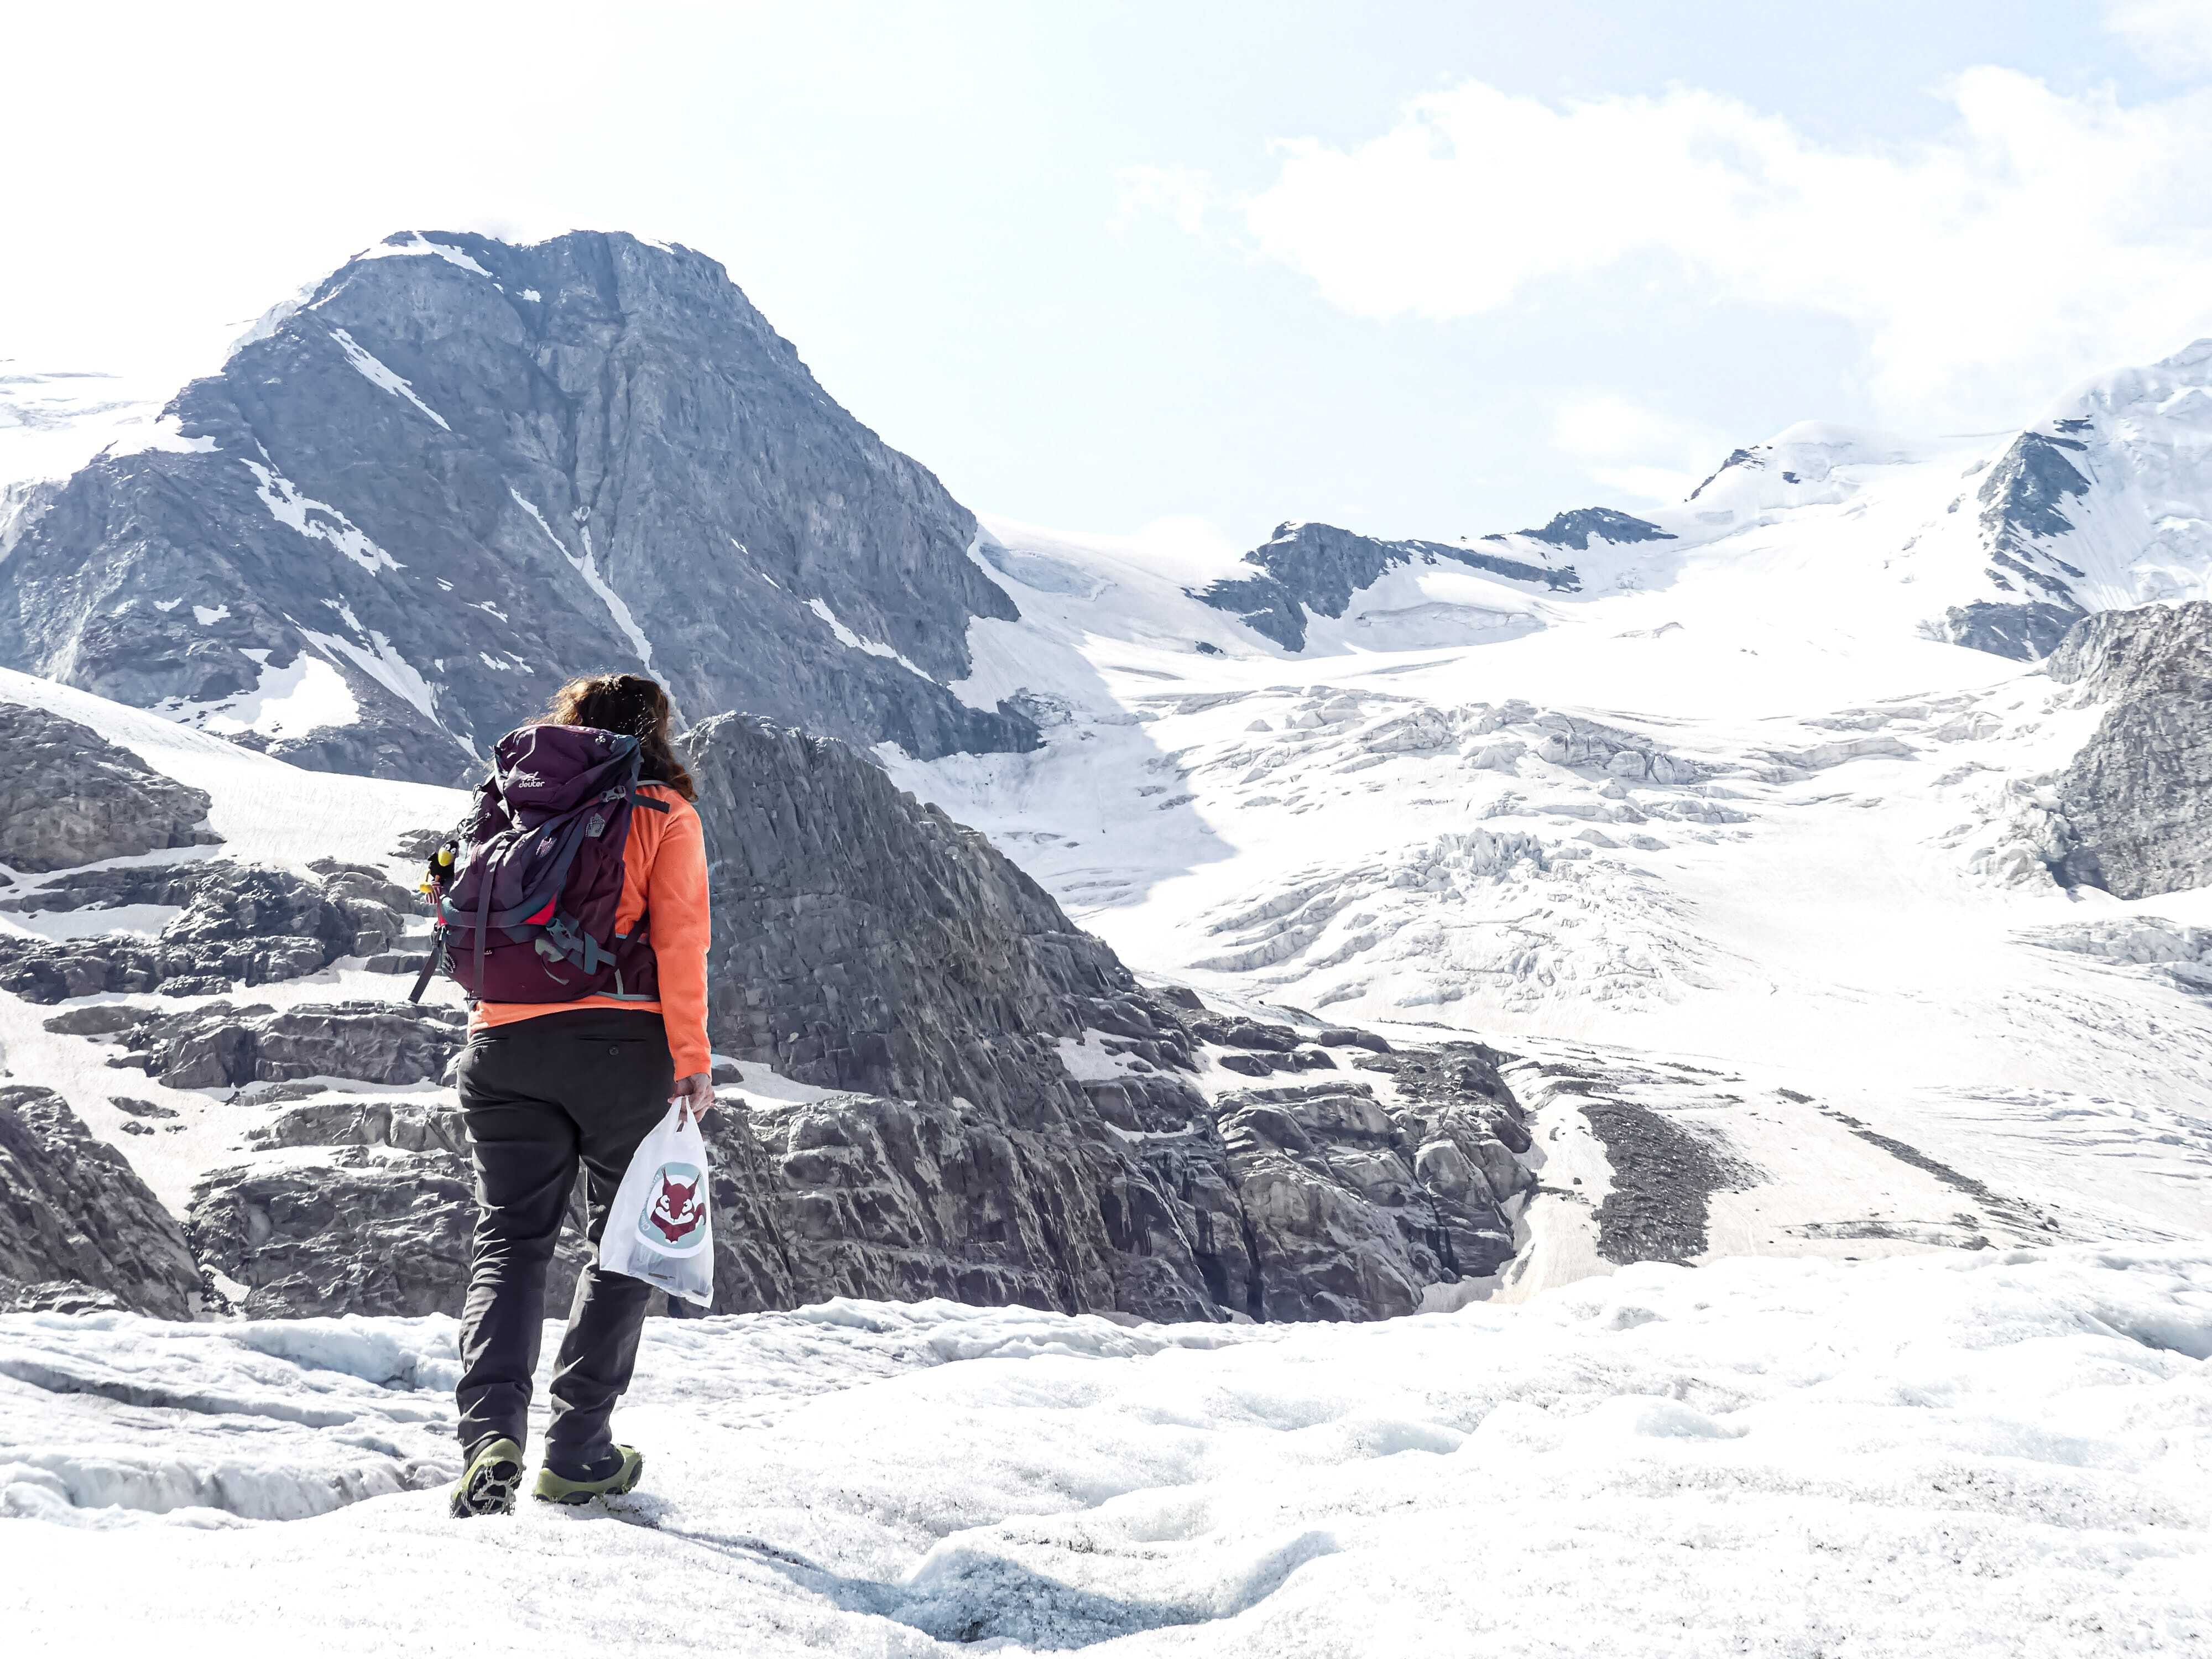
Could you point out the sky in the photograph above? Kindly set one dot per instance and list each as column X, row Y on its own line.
column 1186, row 270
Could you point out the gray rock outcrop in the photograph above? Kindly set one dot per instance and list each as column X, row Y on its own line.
column 2028, row 502
column 2136, row 799
column 77, row 1226
column 867, row 945
column 1300, row 1202
column 69, row 797
column 216, row 1046
column 1350, row 1210
column 380, row 1223
column 1317, row 568
column 2025, row 501
column 463, row 471
column 2027, row 630
column 237, row 924
column 865, row 941
column 1578, row 528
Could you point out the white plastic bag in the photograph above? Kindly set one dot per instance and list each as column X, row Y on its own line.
column 660, row 1229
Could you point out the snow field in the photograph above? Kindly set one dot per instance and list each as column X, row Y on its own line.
column 1810, row 860
column 1996, row 1453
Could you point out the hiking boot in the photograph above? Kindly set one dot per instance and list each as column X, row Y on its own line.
column 610, row 1474
column 488, row 1485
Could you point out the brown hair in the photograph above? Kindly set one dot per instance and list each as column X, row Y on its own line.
column 629, row 703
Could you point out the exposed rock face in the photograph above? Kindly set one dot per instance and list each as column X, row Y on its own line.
column 1750, row 456
column 61, row 1295
column 865, row 941
column 867, row 945
column 2156, row 650
column 358, row 1232
column 2026, row 500
column 68, row 796
column 1318, row 567
column 899, row 1198
column 2026, row 631
column 74, row 1214
column 1349, row 1210
column 1300, row 1202
column 237, row 924
column 216, row 1046
column 2112, row 485
column 1576, row 528
column 381, row 1225
column 2137, row 798
column 463, row 471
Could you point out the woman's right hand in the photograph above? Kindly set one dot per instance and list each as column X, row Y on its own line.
column 696, row 1094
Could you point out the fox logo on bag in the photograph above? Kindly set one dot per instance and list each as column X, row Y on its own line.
column 661, row 1227
column 678, row 1207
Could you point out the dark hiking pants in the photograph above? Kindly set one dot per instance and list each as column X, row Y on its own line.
column 542, row 1096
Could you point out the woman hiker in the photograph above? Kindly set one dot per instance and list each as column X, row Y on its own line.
column 546, row 1085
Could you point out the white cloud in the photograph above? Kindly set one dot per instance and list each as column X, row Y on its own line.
column 2040, row 238
column 1183, row 193
column 1608, row 425
column 1662, row 484
column 2172, row 36
column 1634, row 449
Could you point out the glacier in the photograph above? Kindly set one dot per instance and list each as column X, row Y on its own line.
column 1998, row 1454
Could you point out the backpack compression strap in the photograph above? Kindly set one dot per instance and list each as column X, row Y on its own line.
column 484, row 926
column 431, row 963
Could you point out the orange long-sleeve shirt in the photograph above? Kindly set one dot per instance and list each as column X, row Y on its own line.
column 664, row 877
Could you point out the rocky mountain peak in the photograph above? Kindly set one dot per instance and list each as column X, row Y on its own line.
column 1576, row 528
column 457, row 472
column 1317, row 568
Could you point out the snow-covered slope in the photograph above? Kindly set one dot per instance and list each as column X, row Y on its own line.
column 52, row 422
column 1728, row 804
column 1999, row 1454
column 1998, row 541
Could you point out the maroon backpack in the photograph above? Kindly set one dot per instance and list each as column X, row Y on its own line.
column 525, row 890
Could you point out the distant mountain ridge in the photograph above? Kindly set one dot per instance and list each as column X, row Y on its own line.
column 459, row 470
column 456, row 471
column 2102, row 505
column 1317, row 568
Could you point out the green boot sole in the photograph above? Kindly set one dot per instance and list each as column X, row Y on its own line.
column 488, row 1485
column 552, row 1488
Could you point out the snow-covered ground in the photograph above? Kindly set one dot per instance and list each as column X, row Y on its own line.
column 1726, row 808
column 1997, row 1453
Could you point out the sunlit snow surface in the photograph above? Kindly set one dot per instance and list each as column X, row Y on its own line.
column 2003, row 1453
column 1814, row 876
